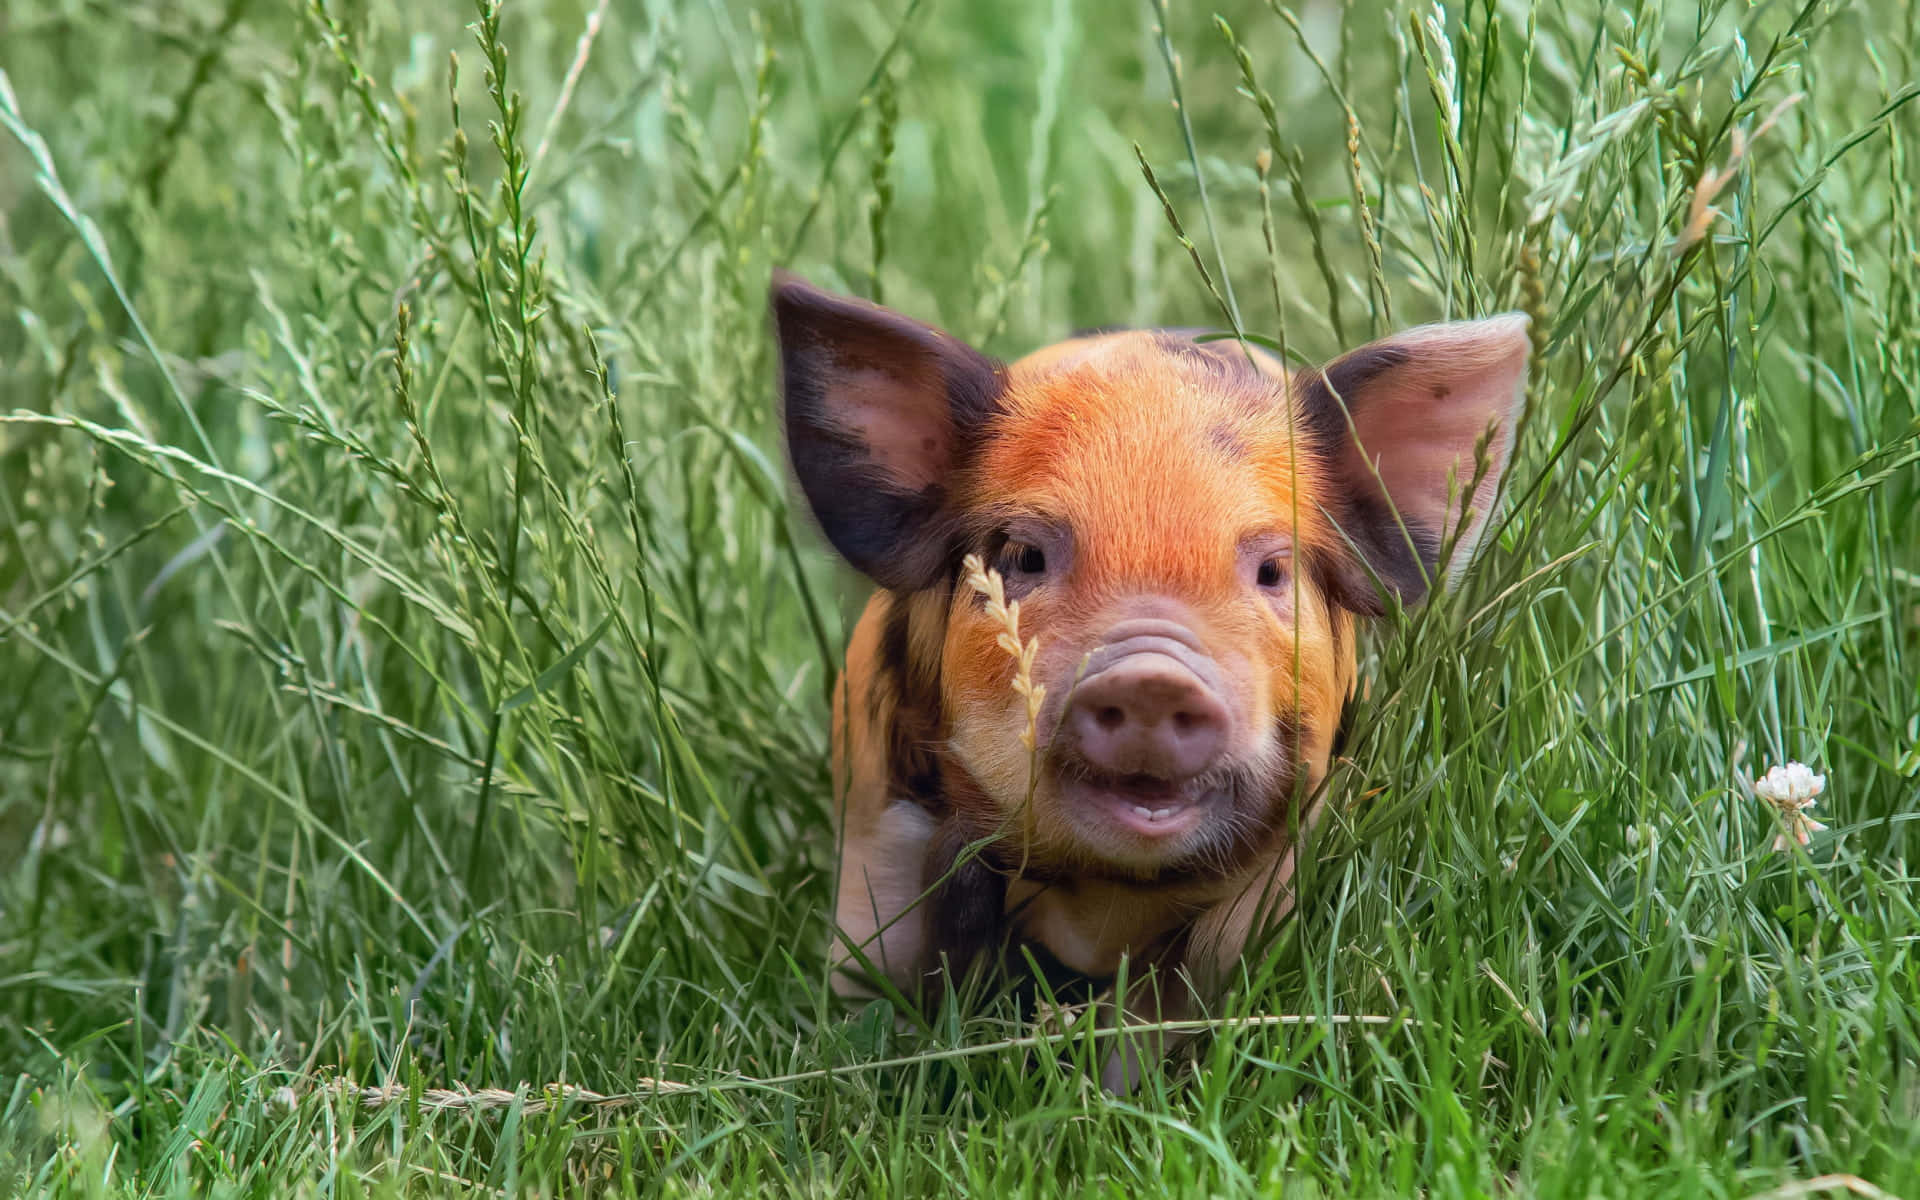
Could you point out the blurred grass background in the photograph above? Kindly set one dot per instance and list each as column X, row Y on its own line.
column 413, row 668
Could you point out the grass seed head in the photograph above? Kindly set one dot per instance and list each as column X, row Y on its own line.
column 989, row 584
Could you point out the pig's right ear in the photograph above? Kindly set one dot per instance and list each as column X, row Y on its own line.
column 880, row 411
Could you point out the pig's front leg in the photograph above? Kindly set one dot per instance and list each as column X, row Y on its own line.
column 1194, row 973
column 882, row 874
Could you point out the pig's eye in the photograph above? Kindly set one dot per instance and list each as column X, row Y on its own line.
column 1271, row 574
column 1030, row 556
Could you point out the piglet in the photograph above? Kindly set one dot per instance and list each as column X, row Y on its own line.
column 1191, row 531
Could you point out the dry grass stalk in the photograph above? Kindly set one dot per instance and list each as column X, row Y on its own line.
column 989, row 584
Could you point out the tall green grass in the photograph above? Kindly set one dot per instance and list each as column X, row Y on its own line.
column 413, row 668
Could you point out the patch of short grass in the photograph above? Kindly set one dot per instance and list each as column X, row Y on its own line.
column 413, row 669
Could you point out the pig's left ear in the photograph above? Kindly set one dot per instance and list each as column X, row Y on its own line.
column 1400, row 419
column 881, row 411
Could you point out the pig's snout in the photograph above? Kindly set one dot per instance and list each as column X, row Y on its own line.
column 1150, row 703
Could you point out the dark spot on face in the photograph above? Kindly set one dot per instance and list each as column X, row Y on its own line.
column 1228, row 442
column 1224, row 364
column 1223, row 359
column 1442, row 391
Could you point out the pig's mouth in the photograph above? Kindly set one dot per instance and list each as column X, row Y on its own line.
column 1146, row 806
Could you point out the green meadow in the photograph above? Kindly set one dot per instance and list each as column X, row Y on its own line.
column 414, row 660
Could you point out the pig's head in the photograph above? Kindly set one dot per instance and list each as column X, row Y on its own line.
column 1190, row 537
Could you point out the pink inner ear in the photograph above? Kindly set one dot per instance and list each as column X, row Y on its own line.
column 1419, row 421
column 904, row 422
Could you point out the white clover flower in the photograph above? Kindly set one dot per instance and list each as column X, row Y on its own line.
column 1791, row 790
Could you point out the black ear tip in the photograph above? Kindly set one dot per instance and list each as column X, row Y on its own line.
column 795, row 305
column 787, row 288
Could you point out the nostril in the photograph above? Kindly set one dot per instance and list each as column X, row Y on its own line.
column 1184, row 721
column 1109, row 717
